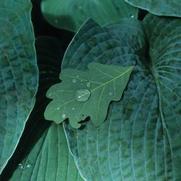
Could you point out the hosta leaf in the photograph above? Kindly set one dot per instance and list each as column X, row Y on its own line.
column 49, row 54
column 104, row 45
column 140, row 140
column 159, row 7
column 70, row 14
column 49, row 160
column 86, row 93
column 18, row 73
column 165, row 52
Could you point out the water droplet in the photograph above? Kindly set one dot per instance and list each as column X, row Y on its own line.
column 63, row 116
column 21, row 166
column 83, row 95
column 88, row 84
column 28, row 165
column 132, row 16
column 73, row 108
column 49, row 95
column 110, row 93
column 58, row 108
column 74, row 80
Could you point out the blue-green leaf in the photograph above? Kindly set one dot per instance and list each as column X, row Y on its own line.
column 159, row 7
column 140, row 140
column 49, row 160
column 70, row 14
column 18, row 73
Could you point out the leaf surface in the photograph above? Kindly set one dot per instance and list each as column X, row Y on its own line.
column 159, row 7
column 49, row 160
column 86, row 93
column 70, row 14
column 49, row 55
column 140, row 140
column 18, row 74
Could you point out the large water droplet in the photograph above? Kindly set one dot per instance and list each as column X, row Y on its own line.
column 63, row 116
column 82, row 95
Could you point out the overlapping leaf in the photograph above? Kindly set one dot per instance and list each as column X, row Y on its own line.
column 70, row 14
column 18, row 73
column 49, row 160
column 83, row 94
column 159, row 7
column 140, row 138
column 165, row 52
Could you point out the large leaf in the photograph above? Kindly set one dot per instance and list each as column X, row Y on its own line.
column 49, row 160
column 18, row 73
column 83, row 94
column 70, row 14
column 159, row 7
column 140, row 140
column 165, row 52
column 49, row 55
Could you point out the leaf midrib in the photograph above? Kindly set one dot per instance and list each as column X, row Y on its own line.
column 98, row 87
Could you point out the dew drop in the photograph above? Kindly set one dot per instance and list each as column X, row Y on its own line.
column 58, row 108
column 21, row 166
column 110, row 93
column 49, row 95
column 73, row 108
column 28, row 165
column 74, row 81
column 63, row 116
column 132, row 16
column 82, row 95
column 88, row 84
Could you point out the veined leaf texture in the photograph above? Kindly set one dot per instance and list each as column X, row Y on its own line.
column 18, row 73
column 140, row 140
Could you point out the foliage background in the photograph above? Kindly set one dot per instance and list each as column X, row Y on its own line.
column 58, row 43
column 49, row 72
